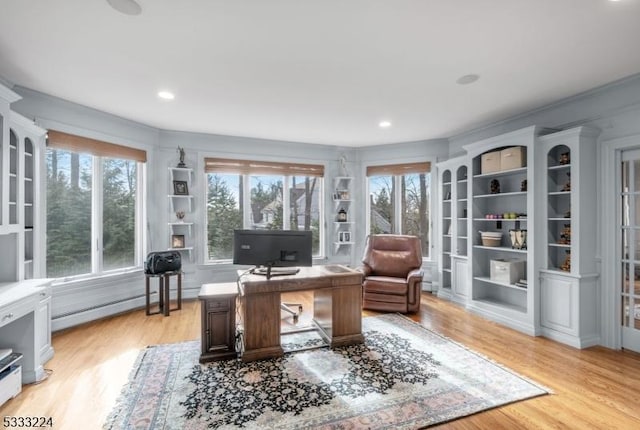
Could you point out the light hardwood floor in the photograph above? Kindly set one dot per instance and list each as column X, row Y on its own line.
column 595, row 388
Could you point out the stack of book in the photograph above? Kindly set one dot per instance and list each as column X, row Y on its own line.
column 522, row 283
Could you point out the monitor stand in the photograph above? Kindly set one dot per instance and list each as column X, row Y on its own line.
column 270, row 271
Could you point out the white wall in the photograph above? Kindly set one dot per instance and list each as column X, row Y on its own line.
column 614, row 108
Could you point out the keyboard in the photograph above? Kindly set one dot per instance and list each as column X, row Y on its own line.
column 277, row 271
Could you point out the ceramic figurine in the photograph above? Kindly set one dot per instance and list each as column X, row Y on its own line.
column 564, row 159
column 565, row 235
column 523, row 185
column 494, row 186
column 567, row 186
column 566, row 266
column 181, row 152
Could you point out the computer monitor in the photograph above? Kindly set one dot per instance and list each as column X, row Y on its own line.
column 272, row 248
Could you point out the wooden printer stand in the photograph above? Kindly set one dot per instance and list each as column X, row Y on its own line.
column 218, row 309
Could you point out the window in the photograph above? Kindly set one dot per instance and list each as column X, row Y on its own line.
column 93, row 197
column 261, row 195
column 399, row 200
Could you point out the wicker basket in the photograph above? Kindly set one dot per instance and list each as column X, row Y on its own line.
column 490, row 238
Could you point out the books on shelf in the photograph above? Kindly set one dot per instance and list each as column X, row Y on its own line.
column 521, row 283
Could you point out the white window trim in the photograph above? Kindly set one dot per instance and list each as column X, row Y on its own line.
column 397, row 183
column 97, row 267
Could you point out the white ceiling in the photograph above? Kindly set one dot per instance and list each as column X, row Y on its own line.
column 323, row 71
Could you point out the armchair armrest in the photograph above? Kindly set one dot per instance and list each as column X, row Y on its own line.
column 416, row 274
column 366, row 270
column 414, row 283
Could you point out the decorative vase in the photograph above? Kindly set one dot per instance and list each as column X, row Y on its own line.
column 518, row 238
column 522, row 238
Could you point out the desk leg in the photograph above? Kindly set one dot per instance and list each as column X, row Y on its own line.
column 160, row 294
column 147, row 291
column 262, row 326
column 338, row 314
column 179, row 291
column 167, row 293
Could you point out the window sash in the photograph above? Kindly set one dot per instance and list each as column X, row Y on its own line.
column 97, row 221
column 398, row 215
column 245, row 205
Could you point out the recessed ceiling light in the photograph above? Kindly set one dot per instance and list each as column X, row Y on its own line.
column 128, row 7
column 467, row 79
column 166, row 95
column 384, row 124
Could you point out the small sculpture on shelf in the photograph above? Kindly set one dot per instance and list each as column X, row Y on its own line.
column 343, row 166
column 494, row 186
column 567, row 214
column 181, row 152
column 566, row 266
column 523, row 185
column 180, row 215
column 342, row 215
column 567, row 186
column 564, row 159
column 565, row 235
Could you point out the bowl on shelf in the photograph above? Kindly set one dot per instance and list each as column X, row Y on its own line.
column 491, row 238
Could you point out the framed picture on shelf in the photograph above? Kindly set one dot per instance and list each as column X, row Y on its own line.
column 344, row 236
column 180, row 188
column 177, row 240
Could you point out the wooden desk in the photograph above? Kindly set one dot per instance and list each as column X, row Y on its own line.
column 337, row 307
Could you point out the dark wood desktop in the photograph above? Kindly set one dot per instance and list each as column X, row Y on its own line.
column 337, row 307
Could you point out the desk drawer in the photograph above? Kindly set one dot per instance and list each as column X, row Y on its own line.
column 217, row 305
column 12, row 312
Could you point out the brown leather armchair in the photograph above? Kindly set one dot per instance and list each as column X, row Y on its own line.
column 392, row 273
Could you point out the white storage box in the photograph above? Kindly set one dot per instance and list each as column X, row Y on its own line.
column 490, row 162
column 513, row 158
column 508, row 270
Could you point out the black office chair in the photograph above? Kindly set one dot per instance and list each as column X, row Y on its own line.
column 287, row 308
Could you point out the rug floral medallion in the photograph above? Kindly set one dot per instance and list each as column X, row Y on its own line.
column 402, row 376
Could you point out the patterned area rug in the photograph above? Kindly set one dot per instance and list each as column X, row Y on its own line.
column 403, row 376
